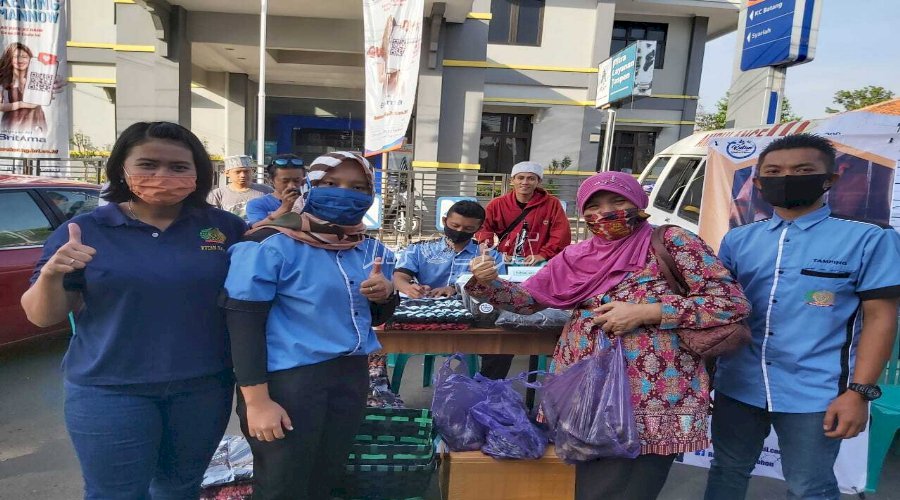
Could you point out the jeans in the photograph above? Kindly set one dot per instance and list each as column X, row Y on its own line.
column 326, row 403
column 147, row 441
column 738, row 432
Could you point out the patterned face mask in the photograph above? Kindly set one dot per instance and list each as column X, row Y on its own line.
column 615, row 225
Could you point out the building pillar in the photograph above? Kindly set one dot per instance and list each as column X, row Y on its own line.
column 152, row 86
column 236, row 114
column 593, row 117
column 694, row 70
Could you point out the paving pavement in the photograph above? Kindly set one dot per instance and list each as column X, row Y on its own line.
column 37, row 461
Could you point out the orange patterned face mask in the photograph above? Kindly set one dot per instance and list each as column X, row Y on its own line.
column 615, row 225
column 162, row 190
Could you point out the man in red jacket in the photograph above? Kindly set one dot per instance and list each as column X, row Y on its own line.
column 544, row 230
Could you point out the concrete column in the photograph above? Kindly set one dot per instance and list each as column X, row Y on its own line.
column 152, row 86
column 594, row 118
column 693, row 72
column 236, row 114
column 462, row 94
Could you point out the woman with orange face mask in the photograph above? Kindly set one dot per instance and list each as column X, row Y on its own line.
column 148, row 377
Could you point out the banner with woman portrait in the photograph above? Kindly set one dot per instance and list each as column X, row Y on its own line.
column 34, row 114
column 393, row 38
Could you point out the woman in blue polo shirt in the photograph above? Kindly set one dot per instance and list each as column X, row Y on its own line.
column 148, row 378
column 300, row 309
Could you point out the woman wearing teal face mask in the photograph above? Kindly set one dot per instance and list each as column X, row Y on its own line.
column 300, row 303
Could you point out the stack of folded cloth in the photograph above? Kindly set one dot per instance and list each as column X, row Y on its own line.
column 431, row 314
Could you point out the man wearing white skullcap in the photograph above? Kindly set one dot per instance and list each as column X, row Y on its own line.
column 538, row 236
column 529, row 226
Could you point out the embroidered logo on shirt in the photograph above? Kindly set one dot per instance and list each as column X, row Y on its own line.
column 820, row 298
column 213, row 239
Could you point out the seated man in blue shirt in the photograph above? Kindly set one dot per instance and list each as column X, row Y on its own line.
column 431, row 268
column 824, row 294
column 288, row 178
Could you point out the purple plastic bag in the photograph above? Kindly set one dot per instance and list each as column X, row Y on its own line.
column 510, row 433
column 588, row 409
column 455, row 393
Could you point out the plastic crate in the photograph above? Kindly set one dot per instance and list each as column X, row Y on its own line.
column 396, row 426
column 391, row 454
column 387, row 481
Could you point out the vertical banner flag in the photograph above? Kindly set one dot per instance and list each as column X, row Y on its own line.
column 34, row 110
column 393, row 37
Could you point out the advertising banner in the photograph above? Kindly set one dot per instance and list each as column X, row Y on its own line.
column 34, row 114
column 868, row 149
column 393, row 38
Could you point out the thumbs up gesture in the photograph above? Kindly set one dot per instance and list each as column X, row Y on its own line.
column 72, row 256
column 483, row 267
column 376, row 287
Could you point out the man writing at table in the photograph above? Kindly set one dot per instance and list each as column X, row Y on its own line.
column 431, row 268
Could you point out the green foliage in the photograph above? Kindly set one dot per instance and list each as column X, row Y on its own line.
column 860, row 98
column 717, row 121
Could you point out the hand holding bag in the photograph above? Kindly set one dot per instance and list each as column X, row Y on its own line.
column 706, row 342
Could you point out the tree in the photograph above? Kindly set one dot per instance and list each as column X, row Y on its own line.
column 716, row 121
column 860, row 98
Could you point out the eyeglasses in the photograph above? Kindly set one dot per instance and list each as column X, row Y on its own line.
column 281, row 162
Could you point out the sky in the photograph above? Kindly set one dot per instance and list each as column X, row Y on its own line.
column 858, row 41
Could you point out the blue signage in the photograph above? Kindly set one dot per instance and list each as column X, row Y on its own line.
column 777, row 33
column 621, row 83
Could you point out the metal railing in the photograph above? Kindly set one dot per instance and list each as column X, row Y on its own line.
column 77, row 169
column 411, row 200
column 404, row 221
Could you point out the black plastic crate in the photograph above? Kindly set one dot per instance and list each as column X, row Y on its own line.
column 386, row 481
column 396, row 426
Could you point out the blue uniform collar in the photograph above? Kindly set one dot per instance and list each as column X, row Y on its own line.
column 807, row 221
column 111, row 215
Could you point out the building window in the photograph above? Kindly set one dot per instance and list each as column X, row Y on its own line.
column 310, row 143
column 516, row 22
column 632, row 151
column 505, row 141
column 626, row 32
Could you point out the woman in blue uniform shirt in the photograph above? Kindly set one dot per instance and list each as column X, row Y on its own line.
column 148, row 379
column 300, row 308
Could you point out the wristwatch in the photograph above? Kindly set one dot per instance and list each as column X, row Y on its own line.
column 869, row 392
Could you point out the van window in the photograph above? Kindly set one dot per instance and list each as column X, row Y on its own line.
column 690, row 206
column 673, row 186
column 654, row 170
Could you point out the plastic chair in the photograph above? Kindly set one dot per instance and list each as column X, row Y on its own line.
column 885, row 417
column 398, row 361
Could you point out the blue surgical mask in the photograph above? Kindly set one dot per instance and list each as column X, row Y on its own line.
column 345, row 207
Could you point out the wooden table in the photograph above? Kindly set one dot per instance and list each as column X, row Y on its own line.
column 474, row 340
column 472, row 475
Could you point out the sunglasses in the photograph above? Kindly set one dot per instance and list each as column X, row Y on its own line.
column 281, row 162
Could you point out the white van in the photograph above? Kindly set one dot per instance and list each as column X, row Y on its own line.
column 674, row 178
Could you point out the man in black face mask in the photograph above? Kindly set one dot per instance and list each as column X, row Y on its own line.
column 824, row 293
column 431, row 268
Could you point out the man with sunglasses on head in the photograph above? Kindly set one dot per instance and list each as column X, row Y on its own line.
column 287, row 175
column 240, row 189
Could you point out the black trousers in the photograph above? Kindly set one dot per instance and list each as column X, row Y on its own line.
column 641, row 478
column 495, row 366
column 326, row 403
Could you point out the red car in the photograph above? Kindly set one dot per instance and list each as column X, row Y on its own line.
column 30, row 209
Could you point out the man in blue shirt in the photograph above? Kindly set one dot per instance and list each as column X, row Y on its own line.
column 824, row 294
column 288, row 178
column 431, row 268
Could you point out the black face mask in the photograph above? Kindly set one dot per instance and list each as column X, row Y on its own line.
column 792, row 191
column 458, row 236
